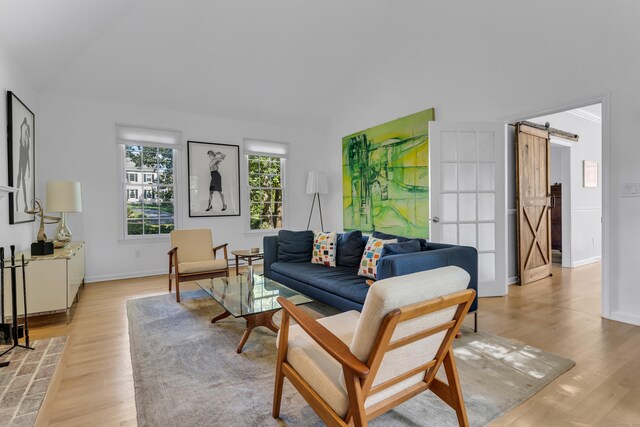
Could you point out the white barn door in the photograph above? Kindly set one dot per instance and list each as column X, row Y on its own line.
column 467, row 167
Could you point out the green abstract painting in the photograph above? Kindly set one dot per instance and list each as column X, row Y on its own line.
column 385, row 177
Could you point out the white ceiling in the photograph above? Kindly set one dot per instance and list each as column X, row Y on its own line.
column 278, row 61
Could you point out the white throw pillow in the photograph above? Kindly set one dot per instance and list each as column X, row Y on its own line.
column 324, row 248
column 371, row 255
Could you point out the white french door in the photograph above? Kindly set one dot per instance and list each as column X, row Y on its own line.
column 467, row 167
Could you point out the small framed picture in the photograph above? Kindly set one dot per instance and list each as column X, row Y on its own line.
column 214, row 179
column 21, row 143
column 590, row 174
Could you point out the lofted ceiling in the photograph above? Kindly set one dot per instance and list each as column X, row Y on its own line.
column 278, row 61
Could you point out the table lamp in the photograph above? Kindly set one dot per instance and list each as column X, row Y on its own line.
column 316, row 185
column 63, row 197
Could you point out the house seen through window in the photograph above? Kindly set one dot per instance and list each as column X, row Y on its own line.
column 149, row 190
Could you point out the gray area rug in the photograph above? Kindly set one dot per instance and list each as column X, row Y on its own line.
column 187, row 373
column 24, row 383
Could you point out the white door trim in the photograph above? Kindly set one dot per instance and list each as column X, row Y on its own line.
column 608, row 189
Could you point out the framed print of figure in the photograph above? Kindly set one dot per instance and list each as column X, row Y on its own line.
column 214, row 179
column 21, row 137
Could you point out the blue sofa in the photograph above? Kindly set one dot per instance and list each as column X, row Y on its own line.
column 341, row 287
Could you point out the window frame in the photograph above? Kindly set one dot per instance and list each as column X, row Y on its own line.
column 247, row 197
column 141, row 188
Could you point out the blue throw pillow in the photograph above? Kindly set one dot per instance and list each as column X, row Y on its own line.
column 400, row 248
column 295, row 246
column 379, row 235
column 350, row 249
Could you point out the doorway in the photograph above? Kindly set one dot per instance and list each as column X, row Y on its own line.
column 577, row 176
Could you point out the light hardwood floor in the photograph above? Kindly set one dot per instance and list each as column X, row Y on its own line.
column 94, row 384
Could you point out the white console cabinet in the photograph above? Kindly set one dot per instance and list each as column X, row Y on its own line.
column 53, row 281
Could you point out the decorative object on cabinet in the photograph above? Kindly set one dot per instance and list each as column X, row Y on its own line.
column 14, row 330
column 63, row 197
column 21, row 142
column 55, row 281
column 214, row 179
column 42, row 246
column 316, row 185
column 385, row 175
column 590, row 174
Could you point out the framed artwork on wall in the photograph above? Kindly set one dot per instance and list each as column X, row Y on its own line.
column 21, row 140
column 385, row 174
column 214, row 179
column 590, row 172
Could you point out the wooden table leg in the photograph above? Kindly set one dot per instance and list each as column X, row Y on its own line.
column 220, row 316
column 255, row 320
column 237, row 262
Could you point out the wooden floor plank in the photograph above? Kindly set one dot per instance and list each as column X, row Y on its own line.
column 561, row 314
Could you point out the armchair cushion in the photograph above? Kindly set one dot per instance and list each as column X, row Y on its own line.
column 202, row 266
column 396, row 292
column 193, row 245
column 315, row 366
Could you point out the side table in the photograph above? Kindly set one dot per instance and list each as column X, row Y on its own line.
column 248, row 256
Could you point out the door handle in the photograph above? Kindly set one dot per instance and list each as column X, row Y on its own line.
column 435, row 219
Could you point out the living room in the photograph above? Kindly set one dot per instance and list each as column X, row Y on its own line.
column 304, row 76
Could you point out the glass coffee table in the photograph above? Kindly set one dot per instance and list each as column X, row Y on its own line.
column 251, row 296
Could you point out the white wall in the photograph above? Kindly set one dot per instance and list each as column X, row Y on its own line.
column 556, row 165
column 501, row 63
column 13, row 78
column 77, row 142
column 586, row 203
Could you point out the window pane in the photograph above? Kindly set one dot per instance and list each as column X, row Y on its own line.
column 134, row 209
column 255, row 223
column 165, row 194
column 166, row 211
column 133, row 159
column 265, row 193
column 134, row 227
column 151, row 227
column 166, row 227
column 151, row 212
column 165, row 176
column 149, row 158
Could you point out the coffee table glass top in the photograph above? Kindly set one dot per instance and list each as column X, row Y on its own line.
column 249, row 294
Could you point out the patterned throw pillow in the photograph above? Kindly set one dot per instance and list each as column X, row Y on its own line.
column 324, row 248
column 371, row 255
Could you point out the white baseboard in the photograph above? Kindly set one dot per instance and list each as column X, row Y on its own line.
column 619, row 316
column 512, row 280
column 586, row 261
column 118, row 276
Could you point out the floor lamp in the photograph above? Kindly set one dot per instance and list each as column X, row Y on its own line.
column 316, row 185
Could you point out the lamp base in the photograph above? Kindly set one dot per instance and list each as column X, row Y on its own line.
column 63, row 234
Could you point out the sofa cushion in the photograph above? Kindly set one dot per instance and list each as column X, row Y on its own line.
column 400, row 248
column 341, row 281
column 371, row 255
column 324, row 248
column 295, row 246
column 379, row 235
column 350, row 248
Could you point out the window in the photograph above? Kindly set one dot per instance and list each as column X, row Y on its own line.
column 148, row 170
column 266, row 182
column 265, row 192
column 153, row 214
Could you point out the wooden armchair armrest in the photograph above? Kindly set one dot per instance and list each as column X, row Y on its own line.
column 325, row 339
column 172, row 251
column 217, row 248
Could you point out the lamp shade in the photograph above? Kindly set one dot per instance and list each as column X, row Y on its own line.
column 64, row 196
column 317, row 183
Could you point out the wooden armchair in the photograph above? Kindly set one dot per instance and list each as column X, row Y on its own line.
column 353, row 367
column 193, row 257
